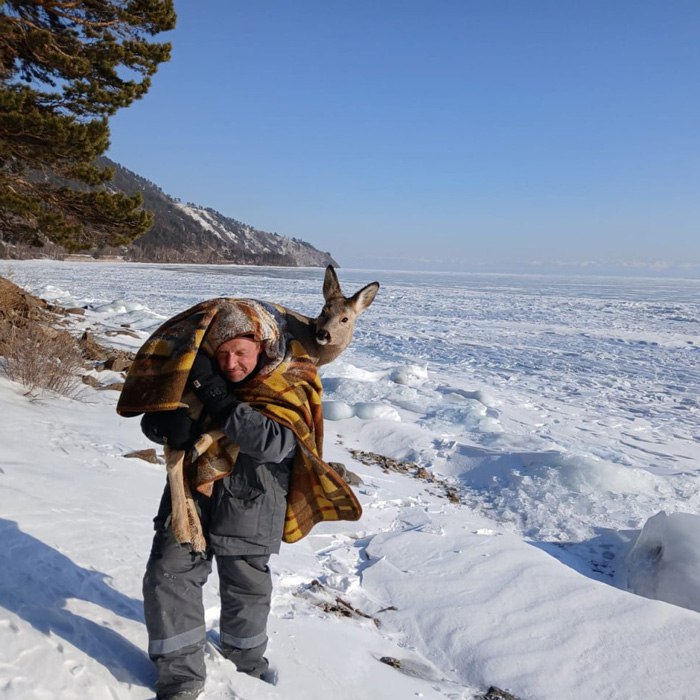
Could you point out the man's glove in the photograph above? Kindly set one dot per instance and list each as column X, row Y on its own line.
column 210, row 387
column 173, row 428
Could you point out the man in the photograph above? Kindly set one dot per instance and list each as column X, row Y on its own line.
column 242, row 521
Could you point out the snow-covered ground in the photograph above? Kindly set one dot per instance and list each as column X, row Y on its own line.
column 564, row 411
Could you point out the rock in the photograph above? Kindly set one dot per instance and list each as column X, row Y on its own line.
column 452, row 494
column 390, row 661
column 20, row 307
column 423, row 473
column 348, row 476
column 118, row 364
column 131, row 334
column 494, row 693
column 90, row 380
column 76, row 310
column 450, row 491
column 148, row 455
column 90, row 348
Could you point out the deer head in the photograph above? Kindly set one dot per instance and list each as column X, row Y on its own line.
column 327, row 335
column 334, row 326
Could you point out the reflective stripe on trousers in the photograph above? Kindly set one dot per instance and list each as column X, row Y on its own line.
column 243, row 642
column 158, row 647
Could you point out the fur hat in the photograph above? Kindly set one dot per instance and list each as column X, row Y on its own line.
column 251, row 318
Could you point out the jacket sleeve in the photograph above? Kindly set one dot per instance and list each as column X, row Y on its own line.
column 258, row 436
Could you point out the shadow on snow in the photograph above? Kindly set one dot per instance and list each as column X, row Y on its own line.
column 36, row 581
column 600, row 558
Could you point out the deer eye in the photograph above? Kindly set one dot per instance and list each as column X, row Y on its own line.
column 345, row 319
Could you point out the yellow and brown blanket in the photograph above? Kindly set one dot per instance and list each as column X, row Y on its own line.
column 287, row 389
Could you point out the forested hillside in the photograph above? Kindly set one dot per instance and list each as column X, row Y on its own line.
column 192, row 233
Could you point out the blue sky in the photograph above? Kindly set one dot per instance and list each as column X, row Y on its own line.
column 449, row 134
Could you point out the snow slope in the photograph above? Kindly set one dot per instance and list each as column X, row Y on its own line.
column 562, row 413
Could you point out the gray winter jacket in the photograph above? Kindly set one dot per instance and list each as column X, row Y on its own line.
column 245, row 514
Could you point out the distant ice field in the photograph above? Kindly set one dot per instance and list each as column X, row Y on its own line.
column 582, row 390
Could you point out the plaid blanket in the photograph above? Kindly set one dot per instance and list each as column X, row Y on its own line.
column 287, row 389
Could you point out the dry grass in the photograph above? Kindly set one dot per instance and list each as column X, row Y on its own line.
column 36, row 355
column 42, row 359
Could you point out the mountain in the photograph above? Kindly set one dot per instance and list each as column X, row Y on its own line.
column 196, row 234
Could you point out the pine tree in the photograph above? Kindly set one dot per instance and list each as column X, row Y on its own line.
column 65, row 67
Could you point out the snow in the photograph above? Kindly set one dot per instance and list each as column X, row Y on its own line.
column 562, row 411
column 201, row 217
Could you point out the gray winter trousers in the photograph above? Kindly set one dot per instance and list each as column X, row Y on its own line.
column 172, row 594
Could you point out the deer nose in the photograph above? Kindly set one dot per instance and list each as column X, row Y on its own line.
column 323, row 337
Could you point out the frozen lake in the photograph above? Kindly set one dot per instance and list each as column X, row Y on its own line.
column 584, row 389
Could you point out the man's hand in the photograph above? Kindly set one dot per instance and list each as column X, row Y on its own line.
column 173, row 428
column 210, row 387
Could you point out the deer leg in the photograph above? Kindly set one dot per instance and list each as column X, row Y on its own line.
column 194, row 525
column 185, row 523
column 205, row 441
column 174, row 461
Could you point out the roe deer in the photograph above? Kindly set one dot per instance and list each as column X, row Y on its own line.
column 327, row 335
column 324, row 338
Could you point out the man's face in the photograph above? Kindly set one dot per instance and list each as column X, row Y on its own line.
column 237, row 358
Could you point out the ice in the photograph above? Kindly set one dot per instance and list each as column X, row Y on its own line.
column 337, row 410
column 664, row 562
column 410, row 374
column 118, row 306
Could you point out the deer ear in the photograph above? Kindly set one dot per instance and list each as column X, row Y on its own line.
column 331, row 286
column 362, row 299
